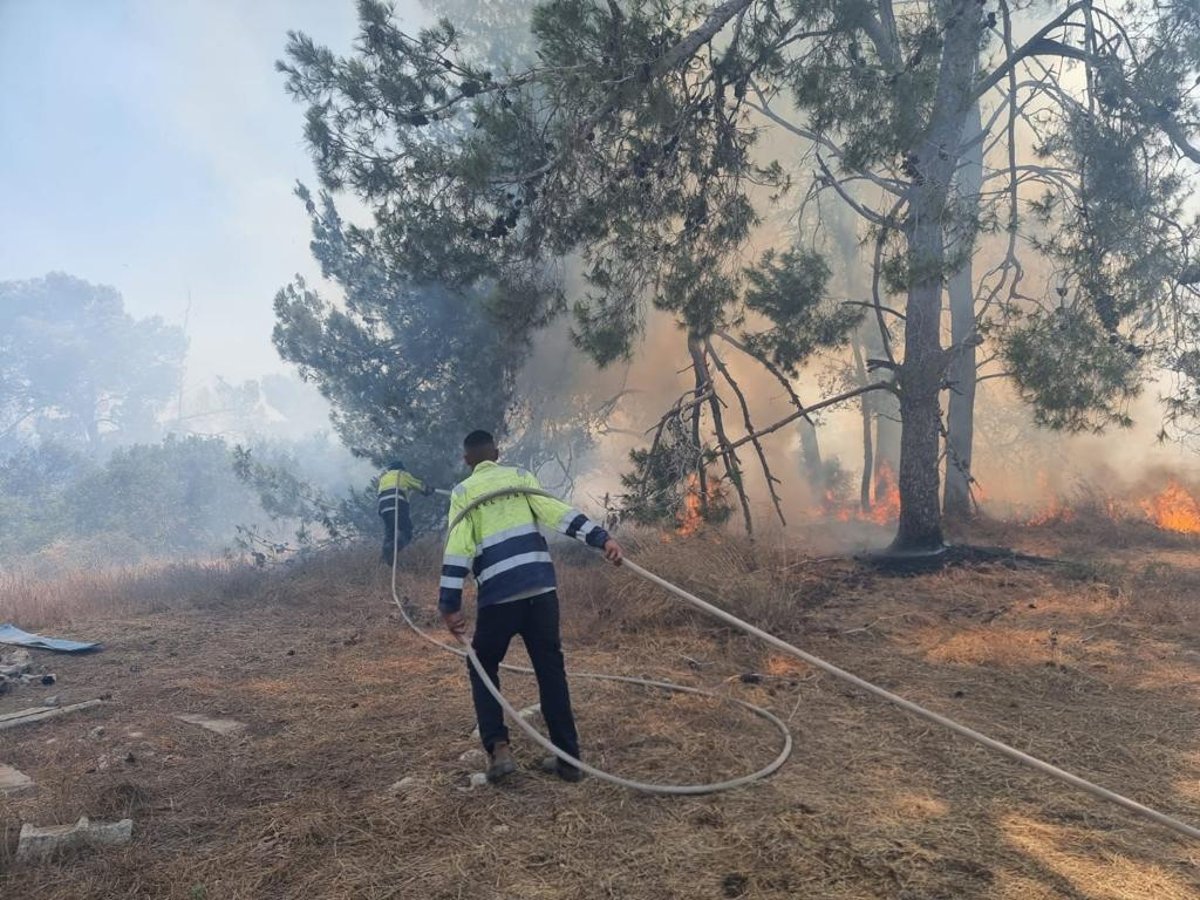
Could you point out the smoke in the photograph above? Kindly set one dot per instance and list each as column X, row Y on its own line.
column 1017, row 464
column 1020, row 467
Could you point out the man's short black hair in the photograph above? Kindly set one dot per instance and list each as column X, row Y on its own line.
column 477, row 440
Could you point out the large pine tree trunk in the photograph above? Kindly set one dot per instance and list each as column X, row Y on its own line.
column 924, row 366
column 960, row 425
column 920, row 527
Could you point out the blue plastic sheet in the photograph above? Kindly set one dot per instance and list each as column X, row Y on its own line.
column 11, row 634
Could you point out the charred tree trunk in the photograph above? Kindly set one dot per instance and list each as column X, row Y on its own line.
column 813, row 468
column 960, row 424
column 864, row 491
column 885, row 415
column 866, row 343
column 729, row 457
column 920, row 527
column 933, row 160
column 697, row 414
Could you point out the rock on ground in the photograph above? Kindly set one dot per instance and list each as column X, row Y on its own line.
column 12, row 781
column 42, row 843
column 225, row 727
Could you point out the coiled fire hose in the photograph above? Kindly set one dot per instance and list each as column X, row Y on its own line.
column 649, row 787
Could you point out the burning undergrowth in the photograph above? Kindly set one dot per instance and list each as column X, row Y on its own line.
column 884, row 508
column 1164, row 502
column 1160, row 502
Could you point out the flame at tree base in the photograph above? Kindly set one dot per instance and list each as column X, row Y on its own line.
column 885, row 510
column 691, row 516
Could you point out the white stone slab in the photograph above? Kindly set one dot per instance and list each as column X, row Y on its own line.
column 12, row 781
column 226, row 727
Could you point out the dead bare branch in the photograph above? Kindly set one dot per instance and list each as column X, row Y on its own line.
column 758, row 448
column 769, row 366
column 823, row 404
column 726, row 448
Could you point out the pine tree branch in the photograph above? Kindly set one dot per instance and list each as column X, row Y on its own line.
column 699, row 394
column 1010, row 263
column 682, row 51
column 873, row 217
column 1170, row 127
column 701, row 468
column 879, row 306
column 885, row 42
column 763, row 108
column 1037, row 45
column 682, row 405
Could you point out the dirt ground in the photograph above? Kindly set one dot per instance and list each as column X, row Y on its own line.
column 1094, row 666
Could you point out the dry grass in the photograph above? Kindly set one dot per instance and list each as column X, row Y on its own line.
column 1095, row 667
column 38, row 601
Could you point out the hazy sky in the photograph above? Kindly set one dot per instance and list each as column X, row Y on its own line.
column 148, row 144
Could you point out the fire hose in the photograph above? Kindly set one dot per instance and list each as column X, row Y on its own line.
column 971, row 734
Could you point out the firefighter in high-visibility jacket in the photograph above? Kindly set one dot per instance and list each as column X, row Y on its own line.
column 502, row 545
column 394, row 485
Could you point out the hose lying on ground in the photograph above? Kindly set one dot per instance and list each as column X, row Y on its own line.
column 992, row 744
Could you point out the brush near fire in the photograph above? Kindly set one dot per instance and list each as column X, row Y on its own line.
column 1173, row 507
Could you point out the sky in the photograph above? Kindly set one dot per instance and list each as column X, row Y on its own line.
column 149, row 145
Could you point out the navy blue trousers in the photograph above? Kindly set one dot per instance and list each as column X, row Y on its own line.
column 390, row 517
column 536, row 621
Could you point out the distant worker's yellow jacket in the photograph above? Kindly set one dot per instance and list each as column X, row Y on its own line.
column 501, row 542
column 394, row 484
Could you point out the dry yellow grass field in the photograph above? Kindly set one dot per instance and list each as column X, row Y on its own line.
column 1093, row 666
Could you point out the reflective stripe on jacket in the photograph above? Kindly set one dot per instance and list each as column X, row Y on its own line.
column 501, row 542
column 396, row 483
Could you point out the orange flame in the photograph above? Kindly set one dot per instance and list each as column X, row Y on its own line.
column 1174, row 509
column 1054, row 511
column 885, row 509
column 887, row 496
column 833, row 508
column 690, row 517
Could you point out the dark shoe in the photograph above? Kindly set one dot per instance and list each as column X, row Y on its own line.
column 552, row 765
column 501, row 764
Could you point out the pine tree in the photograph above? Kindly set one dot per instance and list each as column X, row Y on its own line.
column 633, row 145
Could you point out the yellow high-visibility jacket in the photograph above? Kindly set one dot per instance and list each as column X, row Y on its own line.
column 501, row 542
column 394, row 484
